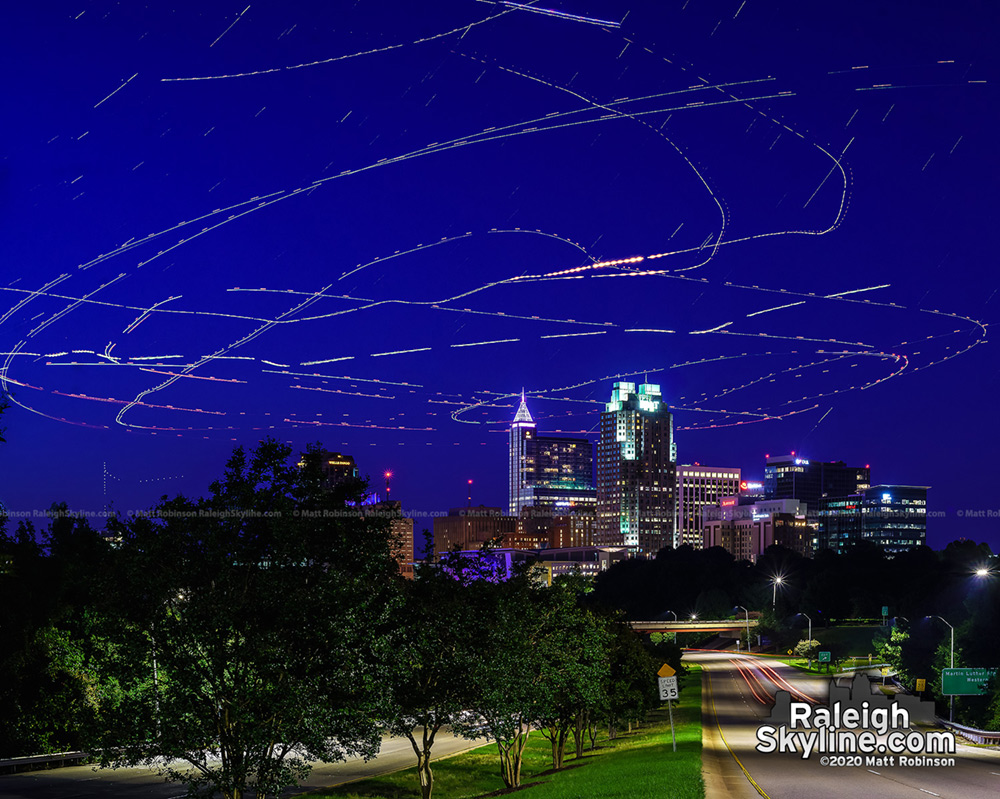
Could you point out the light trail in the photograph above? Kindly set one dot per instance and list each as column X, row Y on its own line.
column 335, row 59
column 588, row 110
column 561, row 14
column 238, row 18
column 126, row 83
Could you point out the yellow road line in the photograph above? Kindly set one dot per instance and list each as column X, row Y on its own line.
column 746, row 773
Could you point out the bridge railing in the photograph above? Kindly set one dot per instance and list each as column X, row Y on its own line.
column 974, row 735
column 36, row 762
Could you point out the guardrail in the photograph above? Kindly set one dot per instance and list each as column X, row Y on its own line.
column 974, row 735
column 37, row 762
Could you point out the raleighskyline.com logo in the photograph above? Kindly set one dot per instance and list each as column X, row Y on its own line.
column 858, row 728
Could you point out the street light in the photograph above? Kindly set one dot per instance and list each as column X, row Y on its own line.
column 810, row 626
column 675, row 621
column 951, row 709
column 748, row 624
column 775, row 582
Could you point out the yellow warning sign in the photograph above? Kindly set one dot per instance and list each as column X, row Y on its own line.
column 666, row 671
column 921, row 685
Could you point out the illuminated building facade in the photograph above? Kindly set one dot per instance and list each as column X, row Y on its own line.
column 470, row 528
column 573, row 530
column 548, row 473
column 790, row 477
column 893, row 517
column 588, row 561
column 699, row 487
column 401, row 529
column 336, row 468
column 636, row 471
column 746, row 529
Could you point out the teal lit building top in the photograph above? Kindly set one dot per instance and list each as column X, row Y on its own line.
column 636, row 470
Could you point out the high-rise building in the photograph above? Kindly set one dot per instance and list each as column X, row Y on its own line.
column 892, row 516
column 573, row 530
column 471, row 527
column 790, row 477
column 699, row 487
column 336, row 468
column 636, row 471
column 401, row 529
column 550, row 474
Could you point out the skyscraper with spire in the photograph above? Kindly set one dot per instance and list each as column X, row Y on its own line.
column 552, row 474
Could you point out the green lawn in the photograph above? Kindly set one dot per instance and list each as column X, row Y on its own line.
column 634, row 766
column 856, row 640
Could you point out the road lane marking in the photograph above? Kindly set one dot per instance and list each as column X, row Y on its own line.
column 746, row 773
column 930, row 792
column 876, row 772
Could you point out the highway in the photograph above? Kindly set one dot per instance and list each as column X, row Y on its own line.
column 80, row 782
column 737, row 693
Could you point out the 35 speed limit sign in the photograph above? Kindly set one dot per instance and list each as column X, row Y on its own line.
column 668, row 688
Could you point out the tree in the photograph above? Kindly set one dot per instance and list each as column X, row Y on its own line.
column 889, row 649
column 47, row 595
column 630, row 691
column 506, row 684
column 806, row 649
column 433, row 660
column 245, row 630
column 574, row 647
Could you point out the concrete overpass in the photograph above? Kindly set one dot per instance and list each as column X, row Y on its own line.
column 733, row 626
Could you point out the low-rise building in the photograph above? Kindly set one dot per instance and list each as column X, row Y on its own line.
column 746, row 528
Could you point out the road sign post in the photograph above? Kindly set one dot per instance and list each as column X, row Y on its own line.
column 666, row 676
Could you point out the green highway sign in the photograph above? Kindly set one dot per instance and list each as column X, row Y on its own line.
column 966, row 682
column 824, row 657
column 885, row 610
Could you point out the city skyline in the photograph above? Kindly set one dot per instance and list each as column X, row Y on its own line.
column 372, row 227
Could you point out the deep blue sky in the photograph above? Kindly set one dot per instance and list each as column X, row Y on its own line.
column 191, row 260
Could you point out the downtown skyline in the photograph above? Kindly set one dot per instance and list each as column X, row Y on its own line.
column 372, row 227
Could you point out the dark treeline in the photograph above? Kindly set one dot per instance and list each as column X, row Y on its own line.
column 855, row 585
column 237, row 637
column 837, row 589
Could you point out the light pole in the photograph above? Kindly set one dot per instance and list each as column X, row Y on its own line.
column 675, row 621
column 810, row 625
column 748, row 625
column 775, row 582
column 951, row 708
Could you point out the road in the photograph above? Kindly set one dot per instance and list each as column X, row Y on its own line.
column 737, row 693
column 83, row 782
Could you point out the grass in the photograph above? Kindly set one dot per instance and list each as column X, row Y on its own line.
column 852, row 639
column 635, row 765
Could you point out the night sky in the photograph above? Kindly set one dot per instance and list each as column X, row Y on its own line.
column 371, row 224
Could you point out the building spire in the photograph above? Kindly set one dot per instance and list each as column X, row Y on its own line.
column 523, row 414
